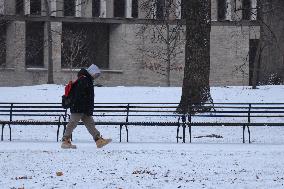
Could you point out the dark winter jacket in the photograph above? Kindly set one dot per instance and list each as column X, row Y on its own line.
column 83, row 94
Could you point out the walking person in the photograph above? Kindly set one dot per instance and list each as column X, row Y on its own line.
column 82, row 107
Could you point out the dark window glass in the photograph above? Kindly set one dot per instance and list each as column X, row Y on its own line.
column 35, row 7
column 34, row 44
column 2, row 44
column 119, row 8
column 20, row 7
column 183, row 9
column 247, row 9
column 69, row 8
column 84, row 44
column 253, row 44
column 222, row 9
column 134, row 12
column 160, row 5
column 96, row 8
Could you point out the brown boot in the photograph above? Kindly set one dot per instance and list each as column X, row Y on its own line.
column 101, row 142
column 66, row 144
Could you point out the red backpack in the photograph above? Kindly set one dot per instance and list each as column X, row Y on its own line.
column 67, row 97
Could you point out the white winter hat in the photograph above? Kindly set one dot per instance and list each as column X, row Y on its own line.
column 93, row 70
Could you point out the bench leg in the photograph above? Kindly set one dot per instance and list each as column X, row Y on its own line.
column 58, row 129
column 183, row 118
column 120, row 132
column 189, row 128
column 126, row 133
column 2, row 133
column 178, row 132
column 10, row 132
column 120, row 128
column 249, row 133
column 183, row 133
column 64, row 129
column 244, row 133
column 57, row 133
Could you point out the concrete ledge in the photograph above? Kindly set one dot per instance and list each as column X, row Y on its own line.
column 5, row 69
column 36, row 69
column 36, row 18
column 70, row 70
column 104, row 71
column 113, row 71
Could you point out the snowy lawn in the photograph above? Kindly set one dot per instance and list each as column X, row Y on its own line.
column 152, row 159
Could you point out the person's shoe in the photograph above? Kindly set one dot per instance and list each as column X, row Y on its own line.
column 66, row 144
column 101, row 142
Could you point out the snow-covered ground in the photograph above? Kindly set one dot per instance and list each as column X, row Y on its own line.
column 152, row 158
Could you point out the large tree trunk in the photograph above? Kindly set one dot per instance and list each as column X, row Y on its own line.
column 196, row 89
column 271, row 63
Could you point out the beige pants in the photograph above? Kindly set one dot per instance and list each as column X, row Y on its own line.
column 88, row 122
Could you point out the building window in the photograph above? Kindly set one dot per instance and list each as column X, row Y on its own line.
column 96, row 8
column 222, row 9
column 119, row 8
column 253, row 45
column 34, row 44
column 85, row 44
column 160, row 6
column 183, row 9
column 20, row 7
column 2, row 44
column 69, row 8
column 247, row 10
column 35, row 7
column 134, row 12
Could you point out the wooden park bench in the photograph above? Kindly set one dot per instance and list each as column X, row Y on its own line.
column 237, row 114
column 111, row 114
column 31, row 114
column 126, row 115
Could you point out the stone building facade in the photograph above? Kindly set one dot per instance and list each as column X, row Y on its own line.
column 115, row 46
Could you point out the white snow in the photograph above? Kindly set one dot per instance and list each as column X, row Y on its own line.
column 152, row 158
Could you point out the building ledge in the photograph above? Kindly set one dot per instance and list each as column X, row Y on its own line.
column 36, row 69
column 104, row 71
column 6, row 68
column 39, row 18
column 70, row 70
column 112, row 71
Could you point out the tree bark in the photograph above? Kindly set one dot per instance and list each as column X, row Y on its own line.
column 271, row 64
column 196, row 89
column 168, row 56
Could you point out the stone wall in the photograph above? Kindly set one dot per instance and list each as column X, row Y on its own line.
column 127, row 65
column 229, row 59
